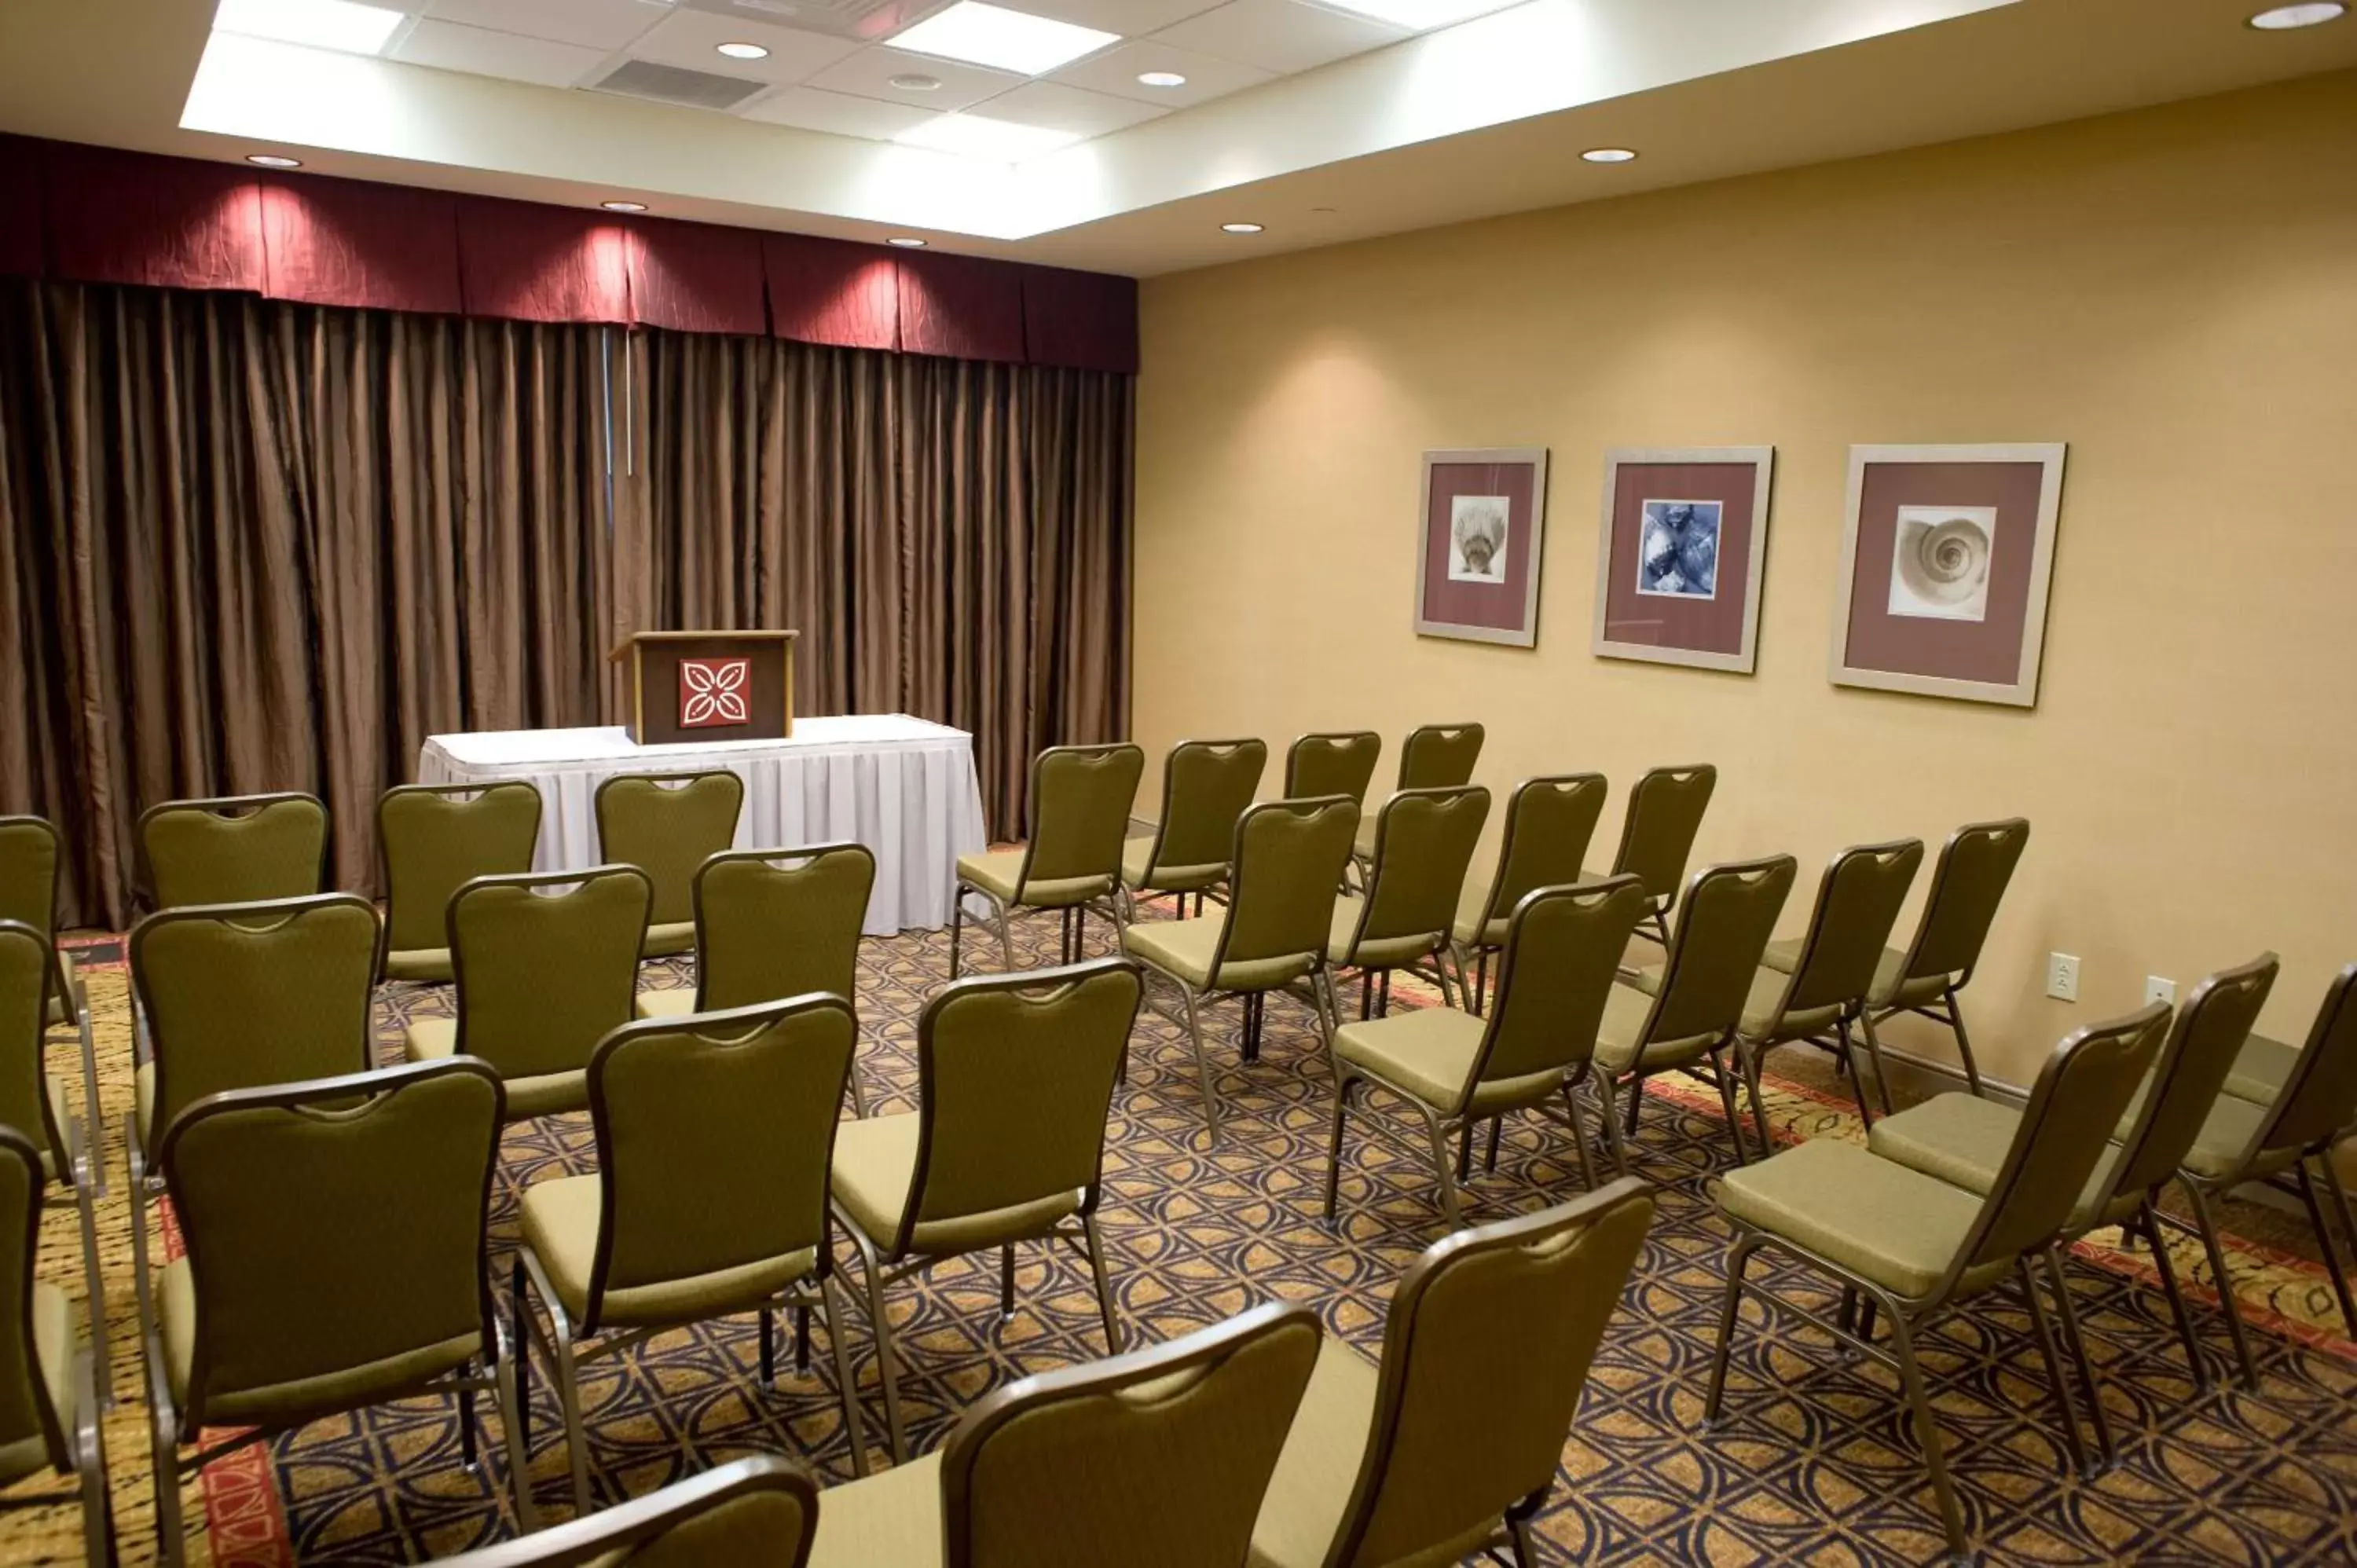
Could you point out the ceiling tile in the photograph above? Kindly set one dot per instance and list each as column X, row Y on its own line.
column 809, row 108
column 1279, row 35
column 693, row 39
column 1117, row 69
column 1061, row 108
column 487, row 53
column 605, row 24
column 869, row 74
column 1130, row 19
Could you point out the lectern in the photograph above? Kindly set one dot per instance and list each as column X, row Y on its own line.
column 687, row 686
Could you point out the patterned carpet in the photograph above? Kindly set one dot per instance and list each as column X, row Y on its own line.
column 1814, row 1463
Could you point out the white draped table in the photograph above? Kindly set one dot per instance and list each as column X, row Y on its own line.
column 904, row 787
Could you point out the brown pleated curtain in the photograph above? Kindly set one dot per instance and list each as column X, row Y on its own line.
column 248, row 546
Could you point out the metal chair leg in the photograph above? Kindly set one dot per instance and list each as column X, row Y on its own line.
column 86, row 1191
column 831, row 1307
column 1202, row 1064
column 1738, row 1259
column 88, row 1441
column 2166, row 1268
column 1334, row 1145
column 507, row 1392
column 1927, row 1431
column 1440, row 1171
column 957, row 926
column 1856, row 1078
column 89, row 1112
column 858, row 1094
column 1611, row 1120
column 2077, row 1344
column 1964, row 1042
column 1751, row 1062
column 2324, row 1236
column 566, row 1373
column 1635, row 1101
column 1579, row 1139
column 1006, row 1281
column 171, row 1535
column 2043, row 1332
column 1006, row 936
column 1726, row 1077
column 880, row 1325
column 2224, row 1279
column 1104, row 1284
column 1873, row 1054
column 769, row 1339
column 1490, row 1160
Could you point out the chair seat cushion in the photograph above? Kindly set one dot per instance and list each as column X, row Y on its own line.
column 1896, row 1226
column 1425, row 1051
column 2226, row 1132
column 1167, row 879
column 425, row 966
column 1363, row 842
column 560, row 1225
column 1373, row 952
column 53, row 1350
column 1963, row 1140
column 874, row 1164
column 1885, row 992
column 1761, row 1022
column 2261, row 1069
column 668, row 939
column 1319, row 1463
column 142, row 1097
column 1183, row 950
column 1626, row 1009
column 892, row 1517
column 671, row 1002
column 998, row 872
column 1468, row 931
column 550, row 1094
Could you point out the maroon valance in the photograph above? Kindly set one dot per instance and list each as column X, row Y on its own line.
column 100, row 215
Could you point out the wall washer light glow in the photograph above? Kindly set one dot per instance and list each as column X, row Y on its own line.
column 1010, row 40
column 906, row 241
column 1242, row 227
column 741, row 51
column 1160, row 79
column 322, row 24
column 273, row 160
column 2283, row 19
column 914, row 81
column 980, row 137
column 1609, row 155
column 623, row 206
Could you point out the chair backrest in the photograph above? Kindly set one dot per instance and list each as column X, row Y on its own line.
column 1549, row 822
column 1658, row 834
column 26, row 968
column 1438, row 756
column 244, row 995
column 2081, row 1091
column 1015, row 1077
column 233, row 849
column 1563, row 948
column 714, row 1135
column 1486, row 1348
column 2190, row 1069
column 433, row 839
column 773, row 923
column 1206, row 785
column 1424, row 841
column 1339, row 763
column 29, row 861
column 1159, row 1458
column 1081, row 800
column 1288, row 863
column 2318, row 1100
column 759, row 1512
column 1722, row 930
column 1975, row 863
column 543, row 977
column 1858, row 905
column 29, row 1422
column 300, row 1269
column 667, row 825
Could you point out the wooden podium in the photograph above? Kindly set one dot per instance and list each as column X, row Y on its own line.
column 690, row 686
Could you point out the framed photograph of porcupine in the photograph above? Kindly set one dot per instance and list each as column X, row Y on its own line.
column 1477, row 565
column 1947, row 555
column 1680, row 554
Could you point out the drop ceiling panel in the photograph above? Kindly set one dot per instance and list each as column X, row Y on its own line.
column 487, row 53
column 605, row 24
column 1061, row 108
column 1116, row 72
column 1130, row 19
column 693, row 39
column 1281, row 35
column 869, row 74
column 809, row 109
column 866, row 20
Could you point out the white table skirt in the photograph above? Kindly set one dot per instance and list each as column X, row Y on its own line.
column 903, row 786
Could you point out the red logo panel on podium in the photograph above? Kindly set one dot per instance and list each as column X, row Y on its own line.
column 714, row 692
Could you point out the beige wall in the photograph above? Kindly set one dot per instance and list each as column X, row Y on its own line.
column 2173, row 292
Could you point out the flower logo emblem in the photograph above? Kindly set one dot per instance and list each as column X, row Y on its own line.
column 714, row 692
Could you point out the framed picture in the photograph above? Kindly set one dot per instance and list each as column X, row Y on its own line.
column 1477, row 565
column 1680, row 554
column 1946, row 558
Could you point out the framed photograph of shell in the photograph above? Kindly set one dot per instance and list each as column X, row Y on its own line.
column 1945, row 562
column 1680, row 553
column 1477, row 565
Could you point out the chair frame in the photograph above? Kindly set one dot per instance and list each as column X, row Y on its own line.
column 1472, row 959
column 1948, row 1011
column 1112, row 904
column 1375, row 982
column 82, row 1452
column 446, row 791
column 1146, row 889
column 73, row 992
column 579, row 1543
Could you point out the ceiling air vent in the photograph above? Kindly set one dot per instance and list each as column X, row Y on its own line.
column 672, row 84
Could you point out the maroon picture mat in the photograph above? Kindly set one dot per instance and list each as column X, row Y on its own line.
column 1653, row 621
column 1987, row 650
column 1496, row 606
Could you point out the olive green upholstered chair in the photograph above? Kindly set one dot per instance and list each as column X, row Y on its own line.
column 31, row 861
column 1424, row 841
column 1342, row 762
column 1548, row 825
column 1961, row 1139
column 433, row 839
column 1823, row 994
column 759, row 1512
column 232, row 848
column 668, row 824
column 1015, row 1078
column 298, row 1297
column 1453, row 1068
column 1160, row 1458
column 1435, row 757
column 1918, row 1248
column 48, row 1388
column 1967, row 884
column 1489, row 1333
column 1081, row 800
column 710, row 1199
column 1288, row 860
column 1206, row 786
column 1684, row 1013
column 1657, row 835
column 543, row 977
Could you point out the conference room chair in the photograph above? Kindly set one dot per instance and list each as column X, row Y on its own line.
column 759, row 1512
column 48, row 1388
column 1339, row 762
column 2277, row 1143
column 1160, row 1458
column 1683, row 1014
column 1423, row 843
column 295, row 1299
column 433, row 839
column 1015, row 1078
column 1206, row 786
column 668, row 824
column 1080, row 796
column 1823, row 994
column 1455, row 1068
column 1288, row 860
column 543, row 976
column 1967, row 883
column 1657, row 835
column 1961, row 1139
column 31, row 861
column 232, row 848
column 710, row 1199
column 1434, row 756
column 774, row 923
column 1920, row 1249
column 1548, row 825
column 1490, row 1332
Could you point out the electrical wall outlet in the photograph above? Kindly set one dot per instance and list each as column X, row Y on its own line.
column 2063, row 976
column 2157, row 988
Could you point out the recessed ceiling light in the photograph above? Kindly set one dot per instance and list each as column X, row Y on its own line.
column 741, row 51
column 623, row 206
column 906, row 241
column 322, row 24
column 1242, row 227
column 1609, row 155
column 916, row 81
column 979, row 136
column 993, row 36
column 274, row 160
column 2283, row 19
column 1161, row 79
column 1421, row 16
